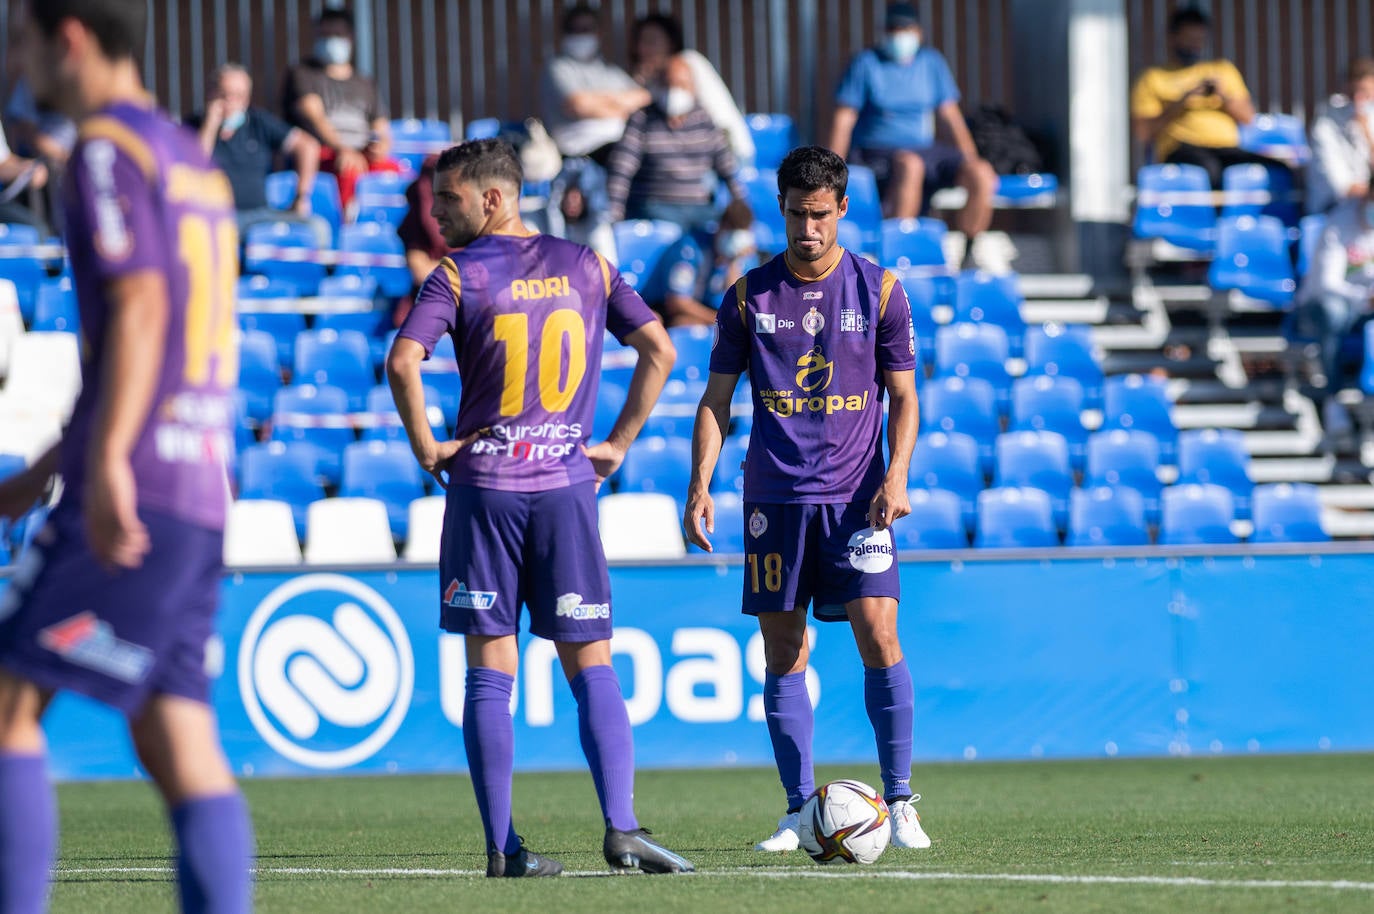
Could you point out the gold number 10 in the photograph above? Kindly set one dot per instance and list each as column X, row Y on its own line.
column 555, row 393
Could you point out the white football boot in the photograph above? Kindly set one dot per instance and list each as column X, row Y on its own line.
column 787, row 837
column 906, row 824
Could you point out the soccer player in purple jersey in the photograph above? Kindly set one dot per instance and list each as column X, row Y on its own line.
column 527, row 314
column 116, row 599
column 823, row 334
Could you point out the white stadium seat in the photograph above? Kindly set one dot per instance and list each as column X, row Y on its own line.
column 260, row 532
column 45, row 368
column 11, row 323
column 426, row 523
column 343, row 530
column 640, row 525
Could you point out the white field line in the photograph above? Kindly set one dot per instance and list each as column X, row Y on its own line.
column 780, row 873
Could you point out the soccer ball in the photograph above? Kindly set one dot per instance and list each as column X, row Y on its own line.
column 847, row 821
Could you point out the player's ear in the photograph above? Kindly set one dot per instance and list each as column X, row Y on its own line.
column 492, row 198
column 843, row 207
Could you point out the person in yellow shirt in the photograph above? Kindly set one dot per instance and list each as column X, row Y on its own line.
column 1190, row 110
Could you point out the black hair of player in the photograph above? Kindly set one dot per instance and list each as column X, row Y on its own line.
column 666, row 24
column 341, row 16
column 578, row 12
column 1187, row 16
column 120, row 27
column 483, row 162
column 810, row 168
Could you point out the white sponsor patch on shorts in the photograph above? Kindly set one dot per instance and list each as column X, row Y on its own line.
column 870, row 551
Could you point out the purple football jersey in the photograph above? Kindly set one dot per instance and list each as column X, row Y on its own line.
column 527, row 314
column 141, row 195
column 815, row 352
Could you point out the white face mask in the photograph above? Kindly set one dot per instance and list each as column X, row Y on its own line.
column 1366, row 110
column 677, row 102
column 334, row 50
column 581, row 47
column 902, row 46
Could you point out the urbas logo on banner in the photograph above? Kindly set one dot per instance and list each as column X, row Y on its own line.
column 325, row 671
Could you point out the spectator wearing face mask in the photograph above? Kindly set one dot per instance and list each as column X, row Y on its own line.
column 665, row 165
column 885, row 116
column 1190, row 110
column 698, row 269
column 339, row 106
column 571, row 212
column 1343, row 144
column 586, row 99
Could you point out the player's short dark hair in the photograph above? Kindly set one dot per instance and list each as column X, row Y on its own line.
column 1186, row 16
column 119, row 26
column 667, row 24
column 483, row 162
column 342, row 16
column 809, row 168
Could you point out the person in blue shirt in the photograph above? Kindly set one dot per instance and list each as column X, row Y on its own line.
column 697, row 270
column 885, row 117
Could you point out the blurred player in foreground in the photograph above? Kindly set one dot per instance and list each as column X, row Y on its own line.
column 527, row 314
column 823, row 334
column 116, row 599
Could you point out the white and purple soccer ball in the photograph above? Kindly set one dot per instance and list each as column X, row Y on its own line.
column 847, row 821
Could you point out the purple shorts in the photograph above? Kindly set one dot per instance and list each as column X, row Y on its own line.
column 504, row 550
column 118, row 637
column 797, row 555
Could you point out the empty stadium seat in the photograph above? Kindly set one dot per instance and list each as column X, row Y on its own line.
column 1252, row 258
column 729, row 475
column 986, row 298
column 1287, row 513
column 338, row 358
column 413, row 139
column 381, row 197
column 761, row 188
column 324, row 197
column 270, row 305
column 948, row 461
column 284, row 250
column 640, row 245
column 260, row 532
column 1037, row 190
column 441, row 370
column 655, row 464
column 45, row 370
column 910, row 243
column 378, row 241
column 281, row 471
column 936, row 521
column 1196, row 515
column 1219, row 457
column 383, row 422
column 1036, row 460
column 245, row 429
column 774, row 137
column 1066, row 350
column 1015, row 519
column 1174, row 202
column 693, row 346
column 728, row 538
column 259, row 372
column 316, row 415
column 851, row 237
column 1107, row 516
column 640, row 525
column 1310, row 236
column 350, row 289
column 1052, row 404
column 388, row 472
column 1126, row 458
column 342, row 531
column 1141, row 402
column 54, row 307
column 1254, row 190
column 866, row 205
column 1280, row 136
column 425, row 528
column 25, row 270
column 969, row 350
column 967, row 405
column 923, row 294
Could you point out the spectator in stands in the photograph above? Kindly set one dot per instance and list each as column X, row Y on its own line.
column 697, row 272
column 339, row 106
column 419, row 231
column 1190, row 110
column 19, row 175
column 245, row 140
column 586, row 99
column 885, row 117
column 571, row 214
column 661, row 168
column 1343, row 144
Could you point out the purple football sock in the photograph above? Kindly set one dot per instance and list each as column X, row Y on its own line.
column 889, row 698
column 489, row 737
column 28, row 833
column 604, row 727
column 214, row 854
column 790, row 722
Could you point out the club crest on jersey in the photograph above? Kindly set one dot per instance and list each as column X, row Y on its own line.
column 458, row 596
column 89, row 641
column 758, row 524
column 813, row 295
column 813, row 322
column 853, row 321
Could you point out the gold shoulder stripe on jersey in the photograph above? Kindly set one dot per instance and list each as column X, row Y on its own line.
column 455, row 283
column 605, row 273
column 741, row 296
column 116, row 131
column 889, row 280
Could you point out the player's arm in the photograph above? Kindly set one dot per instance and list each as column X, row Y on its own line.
column 842, row 129
column 656, row 357
column 304, row 151
column 684, row 309
column 20, row 492
column 708, row 434
column 958, row 130
column 891, row 502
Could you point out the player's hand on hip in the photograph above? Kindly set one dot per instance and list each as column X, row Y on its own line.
column 606, row 459
column 699, row 519
column 436, row 462
column 116, row 535
column 889, row 503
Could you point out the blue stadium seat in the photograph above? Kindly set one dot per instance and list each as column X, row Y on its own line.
column 258, row 292
column 948, row 461
column 1106, row 516
column 693, row 352
column 1122, row 458
column 1037, row 190
column 385, row 422
column 728, row 537
column 1142, row 402
column 482, row 128
column 1036, row 460
column 865, row 205
column 1052, row 404
column 676, row 409
column 610, row 400
column 378, row 240
column 317, row 416
column 1219, row 457
column 245, row 436
column 761, row 187
column 347, row 286
column 259, row 373
column 441, row 370
column 923, row 294
column 281, row 471
column 1281, row 136
column 851, row 237
column 967, row 405
column 10, row 464
column 338, row 358
column 936, row 521
column 1174, row 203
column 381, row 197
column 387, row 471
column 640, row 245
column 1066, row 351
column 656, row 464
column 774, row 137
column 1245, row 189
column 1287, row 513
column 1310, row 231
column 26, row 271
column 54, row 307
column 985, row 298
column 412, row 140
column 1252, row 258
column 324, row 196
column 1196, row 515
column 911, row 243
column 1015, row 519
column 729, row 475
column 968, row 350
column 279, row 250
column 362, row 291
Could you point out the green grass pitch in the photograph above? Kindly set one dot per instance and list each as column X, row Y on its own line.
column 1252, row 834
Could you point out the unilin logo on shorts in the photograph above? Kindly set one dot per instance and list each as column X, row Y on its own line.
column 870, row 551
